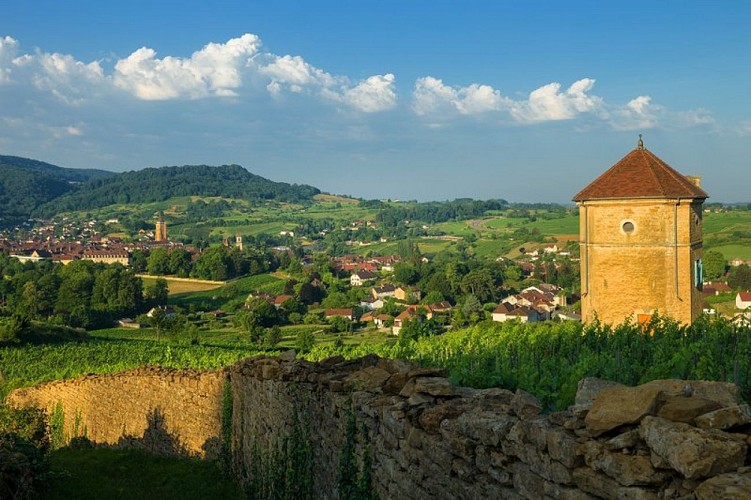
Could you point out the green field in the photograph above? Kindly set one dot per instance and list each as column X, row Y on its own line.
column 733, row 251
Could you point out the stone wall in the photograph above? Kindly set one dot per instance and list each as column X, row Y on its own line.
column 165, row 411
column 429, row 439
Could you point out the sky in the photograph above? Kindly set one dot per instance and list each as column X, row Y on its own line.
column 428, row 100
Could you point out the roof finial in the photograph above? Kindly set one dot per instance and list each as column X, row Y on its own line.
column 640, row 144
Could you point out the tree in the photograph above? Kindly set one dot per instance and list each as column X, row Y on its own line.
column 138, row 261
column 158, row 262
column 273, row 335
column 472, row 309
column 179, row 262
column 740, row 278
column 479, row 283
column 158, row 320
column 157, row 291
column 406, row 273
column 340, row 324
column 305, row 340
column 266, row 314
column 714, row 264
column 31, row 297
column 213, row 264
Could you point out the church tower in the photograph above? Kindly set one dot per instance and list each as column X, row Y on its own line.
column 239, row 241
column 160, row 229
column 640, row 236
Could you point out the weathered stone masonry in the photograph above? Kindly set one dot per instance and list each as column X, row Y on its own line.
column 165, row 411
column 429, row 439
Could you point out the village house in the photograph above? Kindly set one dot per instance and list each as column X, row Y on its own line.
column 383, row 292
column 359, row 278
column 281, row 299
column 379, row 320
column 743, row 300
column 343, row 313
column 407, row 294
column 510, row 312
column 372, row 304
column 410, row 313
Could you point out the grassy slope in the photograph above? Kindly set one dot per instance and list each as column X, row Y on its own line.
column 125, row 474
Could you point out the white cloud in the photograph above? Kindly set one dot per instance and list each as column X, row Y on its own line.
column 638, row 114
column 431, row 95
column 67, row 79
column 549, row 103
column 744, row 128
column 213, row 70
column 8, row 51
column 372, row 95
column 293, row 73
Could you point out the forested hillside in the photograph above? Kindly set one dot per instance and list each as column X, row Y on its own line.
column 158, row 184
column 25, row 184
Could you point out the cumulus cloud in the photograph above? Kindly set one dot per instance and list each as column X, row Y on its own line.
column 638, row 114
column 431, row 95
column 61, row 75
column 372, row 95
column 292, row 73
column 549, row 103
column 216, row 70
column 8, row 51
column 213, row 70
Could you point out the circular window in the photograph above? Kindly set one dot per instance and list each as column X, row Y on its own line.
column 628, row 227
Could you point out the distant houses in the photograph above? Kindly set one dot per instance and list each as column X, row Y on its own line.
column 534, row 303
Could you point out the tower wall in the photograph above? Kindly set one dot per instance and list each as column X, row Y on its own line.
column 649, row 267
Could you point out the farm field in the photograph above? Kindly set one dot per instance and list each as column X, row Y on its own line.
column 182, row 286
column 733, row 251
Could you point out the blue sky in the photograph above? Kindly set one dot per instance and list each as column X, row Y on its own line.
column 427, row 100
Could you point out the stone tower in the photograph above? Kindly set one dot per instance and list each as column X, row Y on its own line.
column 640, row 236
column 160, row 229
column 239, row 241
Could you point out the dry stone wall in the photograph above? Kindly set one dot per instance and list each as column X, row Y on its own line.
column 431, row 440
column 164, row 411
column 426, row 438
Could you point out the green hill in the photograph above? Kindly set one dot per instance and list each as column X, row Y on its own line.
column 25, row 184
column 159, row 184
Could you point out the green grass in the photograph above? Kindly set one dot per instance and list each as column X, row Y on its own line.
column 727, row 222
column 732, row 251
column 563, row 225
column 232, row 291
column 103, row 473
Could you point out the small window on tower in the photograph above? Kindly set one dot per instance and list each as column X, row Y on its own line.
column 628, row 227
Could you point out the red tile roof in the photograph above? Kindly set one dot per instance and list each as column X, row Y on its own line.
column 640, row 174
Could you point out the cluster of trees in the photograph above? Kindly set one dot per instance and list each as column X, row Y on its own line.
column 433, row 212
column 25, row 184
column 200, row 210
column 217, row 263
column 159, row 184
column 81, row 294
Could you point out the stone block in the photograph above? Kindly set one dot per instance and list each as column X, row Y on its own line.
column 525, row 405
column 693, row 452
column 628, row 470
column 563, row 447
column 725, row 418
column 726, row 486
column 685, row 408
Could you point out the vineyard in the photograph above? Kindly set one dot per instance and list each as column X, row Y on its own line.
column 547, row 359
